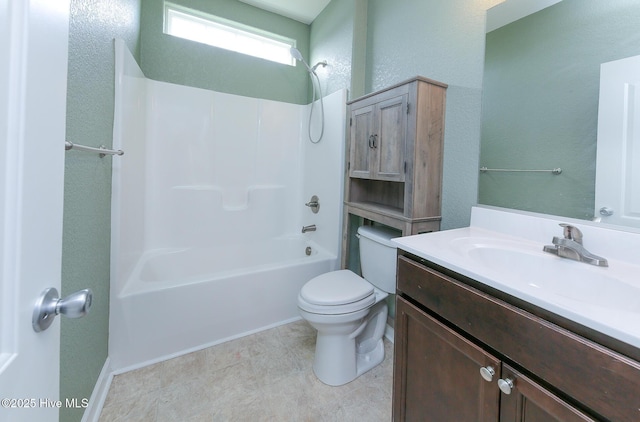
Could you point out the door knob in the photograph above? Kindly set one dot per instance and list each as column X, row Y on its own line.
column 606, row 211
column 49, row 305
column 506, row 385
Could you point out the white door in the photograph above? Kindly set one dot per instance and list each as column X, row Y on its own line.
column 618, row 156
column 33, row 81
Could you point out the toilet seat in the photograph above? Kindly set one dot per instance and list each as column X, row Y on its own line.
column 336, row 292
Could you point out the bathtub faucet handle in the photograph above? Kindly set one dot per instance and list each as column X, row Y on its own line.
column 314, row 204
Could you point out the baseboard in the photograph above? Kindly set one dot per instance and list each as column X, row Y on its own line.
column 99, row 395
column 389, row 333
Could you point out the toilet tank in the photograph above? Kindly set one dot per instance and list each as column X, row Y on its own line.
column 378, row 256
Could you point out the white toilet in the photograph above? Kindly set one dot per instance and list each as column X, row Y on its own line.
column 350, row 312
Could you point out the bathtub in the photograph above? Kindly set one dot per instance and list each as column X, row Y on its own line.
column 206, row 211
column 198, row 297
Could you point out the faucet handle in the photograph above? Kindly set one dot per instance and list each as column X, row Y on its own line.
column 572, row 233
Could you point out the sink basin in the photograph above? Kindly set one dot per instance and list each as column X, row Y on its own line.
column 525, row 267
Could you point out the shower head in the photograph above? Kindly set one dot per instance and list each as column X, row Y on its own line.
column 296, row 54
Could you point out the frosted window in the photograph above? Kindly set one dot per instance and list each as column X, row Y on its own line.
column 222, row 33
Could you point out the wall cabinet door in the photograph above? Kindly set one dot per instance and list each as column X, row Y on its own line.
column 362, row 128
column 437, row 372
column 389, row 139
column 378, row 138
column 529, row 402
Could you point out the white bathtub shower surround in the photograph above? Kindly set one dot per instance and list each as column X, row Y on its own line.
column 207, row 211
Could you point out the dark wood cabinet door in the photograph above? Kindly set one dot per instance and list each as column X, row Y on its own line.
column 529, row 402
column 437, row 372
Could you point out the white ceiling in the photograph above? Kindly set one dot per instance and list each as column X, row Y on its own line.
column 512, row 10
column 304, row 11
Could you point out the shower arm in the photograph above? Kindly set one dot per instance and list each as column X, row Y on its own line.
column 315, row 66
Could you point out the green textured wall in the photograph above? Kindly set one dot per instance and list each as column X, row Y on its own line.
column 332, row 40
column 540, row 105
column 442, row 40
column 171, row 59
column 87, row 196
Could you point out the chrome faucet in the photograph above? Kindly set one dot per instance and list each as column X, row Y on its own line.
column 310, row 228
column 314, row 204
column 571, row 247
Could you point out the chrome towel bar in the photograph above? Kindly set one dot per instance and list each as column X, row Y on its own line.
column 555, row 171
column 102, row 150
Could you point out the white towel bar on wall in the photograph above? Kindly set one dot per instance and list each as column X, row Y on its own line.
column 102, row 150
column 555, row 171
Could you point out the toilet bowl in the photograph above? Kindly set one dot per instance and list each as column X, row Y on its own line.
column 350, row 312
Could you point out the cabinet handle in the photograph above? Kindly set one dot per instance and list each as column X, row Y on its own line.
column 487, row 373
column 375, row 141
column 506, row 385
column 370, row 141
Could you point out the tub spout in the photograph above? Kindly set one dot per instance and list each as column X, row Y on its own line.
column 310, row 228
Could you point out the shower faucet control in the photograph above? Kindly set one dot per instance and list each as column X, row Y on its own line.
column 314, row 204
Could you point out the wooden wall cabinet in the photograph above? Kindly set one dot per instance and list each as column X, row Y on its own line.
column 378, row 136
column 394, row 158
column 447, row 331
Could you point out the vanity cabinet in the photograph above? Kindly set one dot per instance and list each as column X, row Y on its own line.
column 393, row 169
column 459, row 347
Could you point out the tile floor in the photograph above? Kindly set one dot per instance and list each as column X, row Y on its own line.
column 263, row 377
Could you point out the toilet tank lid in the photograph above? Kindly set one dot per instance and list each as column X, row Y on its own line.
column 382, row 235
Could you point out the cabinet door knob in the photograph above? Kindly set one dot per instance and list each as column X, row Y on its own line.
column 487, row 373
column 506, row 385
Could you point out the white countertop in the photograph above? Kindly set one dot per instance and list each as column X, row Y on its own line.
column 503, row 250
